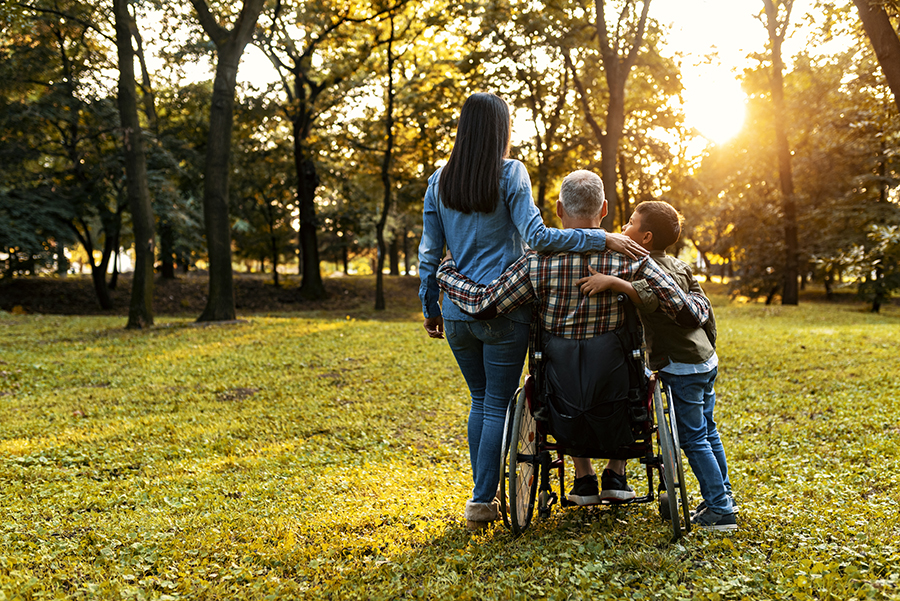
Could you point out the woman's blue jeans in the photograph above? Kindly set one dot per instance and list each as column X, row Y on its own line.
column 490, row 355
column 694, row 397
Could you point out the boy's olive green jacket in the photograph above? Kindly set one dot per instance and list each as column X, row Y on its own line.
column 667, row 341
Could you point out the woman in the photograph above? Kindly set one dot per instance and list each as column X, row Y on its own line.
column 479, row 204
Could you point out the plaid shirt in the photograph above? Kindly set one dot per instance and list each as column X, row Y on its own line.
column 560, row 307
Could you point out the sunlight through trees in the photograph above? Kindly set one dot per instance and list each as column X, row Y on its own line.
column 316, row 160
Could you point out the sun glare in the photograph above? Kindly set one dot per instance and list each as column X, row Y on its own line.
column 715, row 106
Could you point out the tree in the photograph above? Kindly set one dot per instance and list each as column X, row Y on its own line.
column 58, row 122
column 140, row 311
column 230, row 46
column 317, row 47
column 389, row 93
column 777, row 20
column 619, row 53
column 883, row 37
column 527, row 62
column 262, row 185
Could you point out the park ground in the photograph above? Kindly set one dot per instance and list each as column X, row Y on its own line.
column 318, row 451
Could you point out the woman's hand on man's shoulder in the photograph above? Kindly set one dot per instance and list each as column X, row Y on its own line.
column 625, row 245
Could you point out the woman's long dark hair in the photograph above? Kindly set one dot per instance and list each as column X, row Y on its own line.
column 470, row 181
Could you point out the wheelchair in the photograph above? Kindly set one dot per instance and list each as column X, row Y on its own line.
column 638, row 423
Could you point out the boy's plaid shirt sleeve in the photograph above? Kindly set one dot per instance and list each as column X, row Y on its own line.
column 511, row 290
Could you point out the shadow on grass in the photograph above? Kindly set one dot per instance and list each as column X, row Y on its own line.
column 493, row 564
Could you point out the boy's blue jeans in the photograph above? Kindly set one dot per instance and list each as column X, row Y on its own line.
column 694, row 399
column 490, row 355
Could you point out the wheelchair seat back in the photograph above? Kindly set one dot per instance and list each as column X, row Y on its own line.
column 595, row 390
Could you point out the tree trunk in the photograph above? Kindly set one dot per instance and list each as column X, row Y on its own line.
column 617, row 70
column 230, row 46
column 98, row 275
column 625, row 201
column 406, row 262
column 878, row 287
column 385, row 171
column 299, row 253
column 311, row 287
column 116, row 238
column 884, row 41
column 166, row 250
column 62, row 262
column 345, row 258
column 220, row 304
column 274, row 249
column 777, row 29
column 609, row 148
column 541, row 188
column 147, row 96
column 140, row 309
column 395, row 255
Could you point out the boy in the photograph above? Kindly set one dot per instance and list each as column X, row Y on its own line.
column 686, row 361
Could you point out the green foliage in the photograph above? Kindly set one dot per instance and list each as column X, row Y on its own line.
column 58, row 146
column 323, row 456
column 843, row 134
column 881, row 265
column 263, row 187
column 175, row 164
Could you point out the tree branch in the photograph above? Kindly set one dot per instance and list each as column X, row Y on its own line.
column 59, row 13
column 217, row 33
column 582, row 94
column 638, row 38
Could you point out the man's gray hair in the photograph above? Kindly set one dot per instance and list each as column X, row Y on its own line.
column 582, row 194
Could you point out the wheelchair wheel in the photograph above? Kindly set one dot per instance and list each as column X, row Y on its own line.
column 523, row 465
column 679, row 464
column 667, row 450
column 504, row 457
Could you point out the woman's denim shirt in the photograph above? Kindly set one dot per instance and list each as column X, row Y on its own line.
column 485, row 244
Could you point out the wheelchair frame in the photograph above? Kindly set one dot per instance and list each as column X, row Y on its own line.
column 527, row 459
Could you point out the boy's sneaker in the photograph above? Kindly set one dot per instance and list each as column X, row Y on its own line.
column 615, row 487
column 710, row 520
column 702, row 506
column 584, row 491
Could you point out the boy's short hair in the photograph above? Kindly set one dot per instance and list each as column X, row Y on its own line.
column 663, row 220
column 582, row 194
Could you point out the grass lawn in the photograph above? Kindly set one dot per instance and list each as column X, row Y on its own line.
column 322, row 455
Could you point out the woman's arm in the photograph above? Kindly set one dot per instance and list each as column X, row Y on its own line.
column 527, row 219
column 540, row 238
column 431, row 248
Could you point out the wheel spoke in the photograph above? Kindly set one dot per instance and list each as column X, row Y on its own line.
column 669, row 468
column 522, row 464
